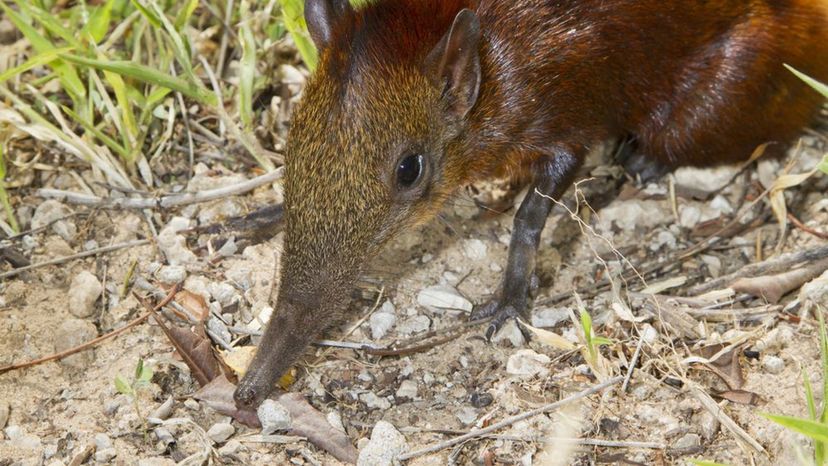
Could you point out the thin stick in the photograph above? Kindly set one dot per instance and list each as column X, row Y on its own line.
column 511, row 420
column 81, row 255
column 594, row 442
column 633, row 363
column 163, row 202
column 90, row 343
column 797, row 223
column 724, row 419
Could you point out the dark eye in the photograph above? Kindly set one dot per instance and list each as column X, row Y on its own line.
column 409, row 170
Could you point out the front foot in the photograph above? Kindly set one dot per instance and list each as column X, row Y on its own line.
column 500, row 311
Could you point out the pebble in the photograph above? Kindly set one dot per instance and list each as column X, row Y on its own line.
column 224, row 293
column 687, row 442
column 631, row 214
column 171, row 274
column 663, row 238
column 814, row 292
column 164, row 436
column 106, row 455
column 549, row 317
column 407, row 390
column 709, row 426
column 71, row 333
column 474, row 249
column 443, row 297
column 4, row 413
column 776, row 339
column 689, row 216
column 527, row 363
column 706, row 180
column 372, row 401
column 221, row 432
column 481, row 399
column 649, row 334
column 386, row 444
column 83, row 293
column 273, row 417
column 773, row 364
column 215, row 325
column 229, row 248
column 20, row 439
column 467, row 415
column 509, row 334
column 192, row 404
column 230, row 448
column 381, row 322
column 102, row 442
column 165, row 409
column 156, row 461
column 335, row 420
column 412, row 325
column 173, row 245
column 50, row 211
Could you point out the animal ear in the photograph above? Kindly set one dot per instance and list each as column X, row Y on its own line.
column 454, row 64
column 321, row 17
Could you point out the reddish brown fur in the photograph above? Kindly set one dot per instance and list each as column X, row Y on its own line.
column 693, row 82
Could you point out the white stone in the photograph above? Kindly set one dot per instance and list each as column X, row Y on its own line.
column 649, row 334
column 385, row 446
column 814, row 292
column 50, row 211
column 467, row 415
column 773, row 364
column 443, row 297
column 273, row 417
column 689, row 216
column 631, row 214
column 72, row 333
column 173, row 245
column 527, row 363
column 412, row 325
column 102, row 442
column 230, row 448
column 509, row 333
column 221, row 432
column 372, row 401
column 474, row 249
column 224, row 293
column 381, row 323
column 549, row 317
column 407, row 390
column 83, row 293
column 106, row 455
column 19, row 438
column 171, row 274
column 707, row 180
column 335, row 420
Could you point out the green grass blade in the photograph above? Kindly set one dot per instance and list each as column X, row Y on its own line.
column 813, row 429
column 820, row 87
column 154, row 20
column 823, row 166
column 88, row 126
column 4, row 196
column 98, row 24
column 119, row 87
column 247, row 71
column 180, row 43
column 38, row 60
column 147, row 75
column 185, row 13
column 49, row 22
column 293, row 15
column 67, row 74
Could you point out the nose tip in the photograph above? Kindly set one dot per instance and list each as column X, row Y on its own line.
column 246, row 397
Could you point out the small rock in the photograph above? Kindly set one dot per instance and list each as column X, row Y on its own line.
column 192, row 404
column 171, row 274
column 50, row 211
column 273, row 417
column 407, row 390
column 173, row 245
column 687, row 442
column 224, row 293
column 443, row 297
column 385, row 446
column 527, row 363
column 773, row 364
column 709, row 426
column 631, row 214
column 381, row 323
column 412, row 325
column 481, row 399
column 165, row 409
column 706, row 180
column 689, row 216
column 509, row 333
column 215, row 325
column 106, row 455
column 164, row 436
column 4, row 413
column 71, row 333
column 230, row 448
column 372, row 401
column 662, row 239
column 219, row 433
column 156, row 461
column 20, row 439
column 649, row 334
column 467, row 415
column 229, row 248
column 102, row 442
column 814, row 292
column 474, row 249
column 83, row 293
column 549, row 317
column 335, row 420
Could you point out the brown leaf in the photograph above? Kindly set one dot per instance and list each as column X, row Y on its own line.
column 726, row 366
column 194, row 304
column 774, row 287
column 743, row 397
column 195, row 349
column 306, row 421
column 218, row 394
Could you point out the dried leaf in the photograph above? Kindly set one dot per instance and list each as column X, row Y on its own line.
column 726, row 365
column 194, row 304
column 659, row 287
column 238, row 360
column 218, row 395
column 774, row 287
column 195, row 349
column 624, row 313
column 549, row 338
column 742, row 397
column 306, row 421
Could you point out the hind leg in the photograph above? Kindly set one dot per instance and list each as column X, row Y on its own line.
column 642, row 168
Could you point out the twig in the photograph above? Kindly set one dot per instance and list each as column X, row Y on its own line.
column 724, row 419
column 797, row 223
column 163, row 202
column 81, row 255
column 633, row 363
column 594, row 442
column 89, row 343
column 511, row 420
column 773, row 265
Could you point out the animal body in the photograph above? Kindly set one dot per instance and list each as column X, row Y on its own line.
column 413, row 99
